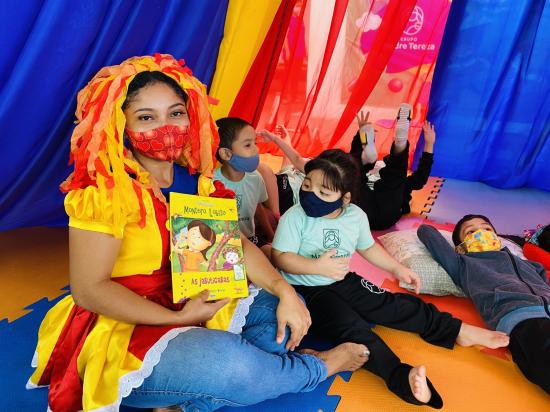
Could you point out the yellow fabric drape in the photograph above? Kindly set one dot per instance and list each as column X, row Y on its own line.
column 246, row 25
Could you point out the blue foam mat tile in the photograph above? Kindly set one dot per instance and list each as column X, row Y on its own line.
column 314, row 401
column 17, row 345
column 18, row 342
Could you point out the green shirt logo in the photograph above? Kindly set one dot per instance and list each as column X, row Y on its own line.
column 331, row 238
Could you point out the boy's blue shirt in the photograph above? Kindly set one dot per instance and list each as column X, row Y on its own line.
column 504, row 288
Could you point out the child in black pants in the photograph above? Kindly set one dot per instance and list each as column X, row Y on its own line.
column 313, row 245
column 385, row 200
column 347, row 307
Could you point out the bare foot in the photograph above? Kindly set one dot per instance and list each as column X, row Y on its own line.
column 310, row 352
column 470, row 335
column 344, row 357
column 419, row 385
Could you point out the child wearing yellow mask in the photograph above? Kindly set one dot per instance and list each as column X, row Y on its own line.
column 512, row 295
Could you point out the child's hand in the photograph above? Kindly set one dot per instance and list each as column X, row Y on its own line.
column 198, row 310
column 429, row 135
column 333, row 267
column 362, row 119
column 408, row 276
column 267, row 136
column 283, row 133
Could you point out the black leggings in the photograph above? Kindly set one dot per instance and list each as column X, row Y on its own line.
column 530, row 348
column 345, row 310
column 389, row 199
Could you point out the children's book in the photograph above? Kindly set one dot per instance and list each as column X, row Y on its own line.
column 206, row 249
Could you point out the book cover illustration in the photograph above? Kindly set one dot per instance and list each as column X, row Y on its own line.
column 206, row 249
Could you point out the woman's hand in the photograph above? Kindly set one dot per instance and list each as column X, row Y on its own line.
column 292, row 311
column 198, row 310
column 408, row 276
column 333, row 267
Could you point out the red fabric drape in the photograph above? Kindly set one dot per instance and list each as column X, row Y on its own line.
column 393, row 24
column 339, row 12
column 408, row 75
column 252, row 94
column 306, row 94
column 339, row 57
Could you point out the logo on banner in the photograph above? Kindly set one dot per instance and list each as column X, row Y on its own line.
column 416, row 21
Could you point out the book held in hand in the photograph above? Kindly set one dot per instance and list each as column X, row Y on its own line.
column 206, row 249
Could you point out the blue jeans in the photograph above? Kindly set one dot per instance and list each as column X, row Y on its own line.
column 260, row 328
column 203, row 369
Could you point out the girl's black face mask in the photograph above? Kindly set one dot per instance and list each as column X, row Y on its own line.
column 316, row 207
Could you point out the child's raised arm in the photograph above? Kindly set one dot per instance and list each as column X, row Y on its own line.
column 283, row 141
column 378, row 256
column 362, row 119
column 429, row 136
column 441, row 251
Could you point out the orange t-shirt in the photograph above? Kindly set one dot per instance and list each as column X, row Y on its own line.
column 192, row 260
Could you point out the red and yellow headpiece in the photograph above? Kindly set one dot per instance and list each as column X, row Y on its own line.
column 97, row 147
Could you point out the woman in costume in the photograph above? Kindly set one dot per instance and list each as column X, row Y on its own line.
column 118, row 338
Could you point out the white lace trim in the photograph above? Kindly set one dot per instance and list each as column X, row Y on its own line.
column 135, row 378
column 31, row 385
column 243, row 307
column 34, row 364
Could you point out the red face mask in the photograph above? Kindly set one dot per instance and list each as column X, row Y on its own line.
column 163, row 143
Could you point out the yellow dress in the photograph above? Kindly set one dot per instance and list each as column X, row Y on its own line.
column 91, row 361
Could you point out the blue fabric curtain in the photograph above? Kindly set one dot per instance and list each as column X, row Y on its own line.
column 49, row 49
column 490, row 99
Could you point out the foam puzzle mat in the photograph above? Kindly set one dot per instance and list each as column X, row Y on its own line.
column 35, row 264
column 35, row 271
column 423, row 199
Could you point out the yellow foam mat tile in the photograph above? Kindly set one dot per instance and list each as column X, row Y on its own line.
column 466, row 379
column 35, row 264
